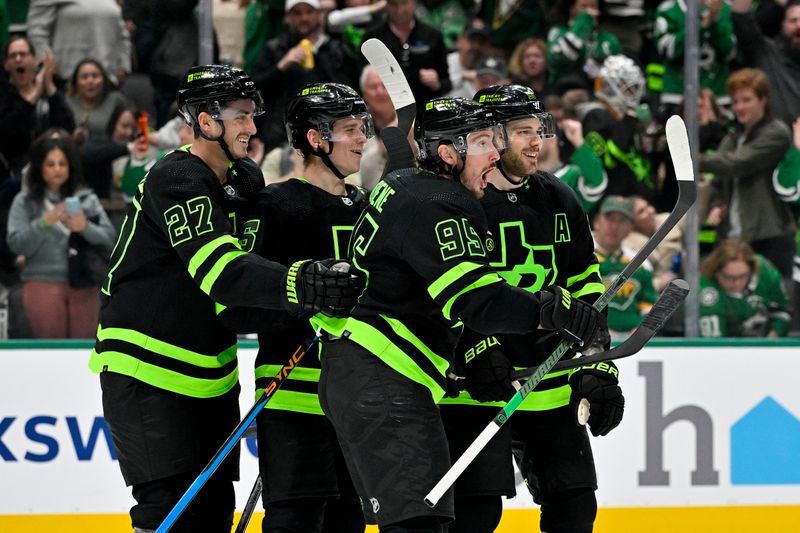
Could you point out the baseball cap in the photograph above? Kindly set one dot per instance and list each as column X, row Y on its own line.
column 492, row 65
column 291, row 3
column 617, row 204
column 477, row 28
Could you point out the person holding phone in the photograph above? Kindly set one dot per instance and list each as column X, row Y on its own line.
column 40, row 223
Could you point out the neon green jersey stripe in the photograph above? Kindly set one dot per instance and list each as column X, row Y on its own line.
column 402, row 331
column 166, row 349
column 486, row 279
column 216, row 270
column 299, row 373
column 207, row 249
column 381, row 346
column 299, row 402
column 593, row 269
column 159, row 377
column 452, row 275
column 589, row 288
column 535, row 401
column 106, row 289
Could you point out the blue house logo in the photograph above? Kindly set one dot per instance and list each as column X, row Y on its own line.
column 765, row 446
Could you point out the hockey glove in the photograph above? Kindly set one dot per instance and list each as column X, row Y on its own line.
column 321, row 286
column 488, row 372
column 599, row 385
column 246, row 176
column 574, row 320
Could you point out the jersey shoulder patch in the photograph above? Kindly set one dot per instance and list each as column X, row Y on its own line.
column 709, row 296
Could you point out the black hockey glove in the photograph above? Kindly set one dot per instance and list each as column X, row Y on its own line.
column 325, row 286
column 488, row 372
column 246, row 176
column 599, row 385
column 574, row 320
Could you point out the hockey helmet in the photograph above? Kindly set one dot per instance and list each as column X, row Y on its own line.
column 209, row 87
column 514, row 102
column 318, row 106
column 451, row 121
column 620, row 81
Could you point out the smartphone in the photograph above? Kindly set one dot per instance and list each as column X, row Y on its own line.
column 73, row 205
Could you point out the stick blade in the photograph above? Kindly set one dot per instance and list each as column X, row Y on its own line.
column 389, row 71
column 669, row 300
column 678, row 143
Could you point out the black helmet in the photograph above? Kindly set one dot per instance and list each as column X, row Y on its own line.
column 449, row 120
column 318, row 106
column 512, row 102
column 210, row 86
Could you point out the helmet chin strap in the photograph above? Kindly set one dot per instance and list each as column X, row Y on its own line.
column 220, row 140
column 499, row 165
column 325, row 156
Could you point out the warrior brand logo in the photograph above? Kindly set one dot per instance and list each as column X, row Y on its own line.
column 291, row 282
column 566, row 299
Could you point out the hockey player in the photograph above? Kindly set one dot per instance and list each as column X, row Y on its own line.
column 167, row 363
column 421, row 244
column 307, row 488
column 541, row 238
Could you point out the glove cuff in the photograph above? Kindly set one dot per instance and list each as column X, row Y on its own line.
column 293, row 287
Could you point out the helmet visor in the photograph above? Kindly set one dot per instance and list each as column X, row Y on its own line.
column 538, row 126
column 237, row 110
column 485, row 141
column 349, row 129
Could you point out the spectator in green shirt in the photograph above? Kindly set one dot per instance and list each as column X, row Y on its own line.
column 614, row 222
column 741, row 294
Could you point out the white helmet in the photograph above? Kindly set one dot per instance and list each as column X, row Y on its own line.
column 620, row 82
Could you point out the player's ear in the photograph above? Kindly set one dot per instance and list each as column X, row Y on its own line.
column 313, row 137
column 448, row 154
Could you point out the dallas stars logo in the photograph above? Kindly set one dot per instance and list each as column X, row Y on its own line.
column 530, row 267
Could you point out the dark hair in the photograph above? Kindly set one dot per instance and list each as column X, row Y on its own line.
column 73, row 81
column 114, row 117
column 17, row 37
column 39, row 150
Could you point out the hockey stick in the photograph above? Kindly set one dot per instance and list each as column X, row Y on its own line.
column 678, row 142
column 395, row 139
column 234, row 437
column 671, row 297
column 249, row 507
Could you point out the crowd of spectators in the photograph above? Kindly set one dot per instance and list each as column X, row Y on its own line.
column 93, row 81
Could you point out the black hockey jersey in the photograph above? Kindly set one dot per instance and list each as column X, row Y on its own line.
column 180, row 260
column 420, row 243
column 302, row 221
column 540, row 237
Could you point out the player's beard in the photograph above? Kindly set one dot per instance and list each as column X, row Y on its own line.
column 514, row 164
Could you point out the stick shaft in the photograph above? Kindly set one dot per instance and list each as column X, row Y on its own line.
column 233, row 439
